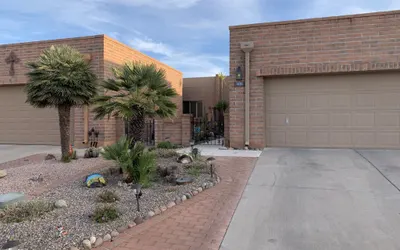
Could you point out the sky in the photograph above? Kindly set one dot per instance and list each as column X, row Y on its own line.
column 189, row 35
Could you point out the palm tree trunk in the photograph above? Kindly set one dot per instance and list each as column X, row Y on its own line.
column 64, row 116
column 136, row 126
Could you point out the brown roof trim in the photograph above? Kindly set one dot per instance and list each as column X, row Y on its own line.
column 381, row 13
column 53, row 40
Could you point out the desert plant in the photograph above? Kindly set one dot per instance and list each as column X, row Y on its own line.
column 222, row 105
column 138, row 163
column 193, row 171
column 135, row 92
column 166, row 145
column 74, row 156
column 92, row 153
column 106, row 213
column 61, row 78
column 166, row 153
column 108, row 196
column 25, row 211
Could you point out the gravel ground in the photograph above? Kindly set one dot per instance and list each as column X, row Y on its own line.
column 41, row 233
column 53, row 173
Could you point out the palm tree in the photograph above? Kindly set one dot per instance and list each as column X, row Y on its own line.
column 137, row 91
column 61, row 78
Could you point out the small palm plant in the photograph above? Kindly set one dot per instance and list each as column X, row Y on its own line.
column 137, row 91
column 222, row 105
column 61, row 78
column 138, row 163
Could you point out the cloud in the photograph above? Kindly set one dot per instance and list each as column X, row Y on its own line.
column 148, row 45
column 162, row 4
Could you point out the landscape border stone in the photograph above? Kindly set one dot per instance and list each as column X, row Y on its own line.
column 157, row 211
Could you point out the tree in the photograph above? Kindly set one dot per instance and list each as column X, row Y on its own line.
column 61, row 78
column 137, row 91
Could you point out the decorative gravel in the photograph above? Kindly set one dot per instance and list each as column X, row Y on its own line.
column 42, row 233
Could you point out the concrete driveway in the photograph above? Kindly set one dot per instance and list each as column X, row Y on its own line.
column 316, row 199
column 13, row 152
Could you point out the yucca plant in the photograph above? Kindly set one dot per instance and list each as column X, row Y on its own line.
column 138, row 163
column 137, row 91
column 222, row 105
column 61, row 78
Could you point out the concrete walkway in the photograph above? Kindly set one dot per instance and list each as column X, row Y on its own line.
column 14, row 152
column 218, row 150
column 305, row 199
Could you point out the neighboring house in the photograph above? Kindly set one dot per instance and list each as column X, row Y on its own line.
column 326, row 82
column 22, row 124
column 201, row 94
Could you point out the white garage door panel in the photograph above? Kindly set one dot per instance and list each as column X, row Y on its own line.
column 22, row 124
column 358, row 110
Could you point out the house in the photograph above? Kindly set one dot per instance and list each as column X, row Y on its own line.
column 326, row 82
column 201, row 94
column 22, row 124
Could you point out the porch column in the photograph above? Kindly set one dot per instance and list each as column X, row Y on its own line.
column 247, row 47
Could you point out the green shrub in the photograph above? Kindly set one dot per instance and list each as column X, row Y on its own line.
column 92, row 152
column 66, row 158
column 103, row 214
column 108, row 196
column 193, row 171
column 25, row 211
column 166, row 153
column 138, row 163
column 74, row 156
column 166, row 145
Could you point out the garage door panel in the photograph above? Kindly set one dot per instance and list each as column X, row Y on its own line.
column 387, row 119
column 340, row 120
column 351, row 111
column 21, row 123
column 296, row 102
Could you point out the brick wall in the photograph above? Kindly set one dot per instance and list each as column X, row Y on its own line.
column 116, row 54
column 368, row 42
column 90, row 46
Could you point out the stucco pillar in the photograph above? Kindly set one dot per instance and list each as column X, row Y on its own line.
column 247, row 47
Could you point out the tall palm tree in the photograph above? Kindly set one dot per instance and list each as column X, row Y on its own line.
column 137, row 91
column 61, row 78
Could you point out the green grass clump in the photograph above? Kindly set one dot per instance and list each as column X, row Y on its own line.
column 108, row 196
column 103, row 214
column 24, row 211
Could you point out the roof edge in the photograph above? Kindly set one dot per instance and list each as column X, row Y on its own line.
column 317, row 19
column 53, row 40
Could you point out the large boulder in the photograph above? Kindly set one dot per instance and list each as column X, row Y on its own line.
column 185, row 158
column 3, row 173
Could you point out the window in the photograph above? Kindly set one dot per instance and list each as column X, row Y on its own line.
column 193, row 107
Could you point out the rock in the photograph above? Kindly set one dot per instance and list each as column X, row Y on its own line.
column 211, row 184
column 138, row 220
column 132, row 225
column 92, row 240
column 163, row 208
column 86, row 244
column 3, row 173
column 171, row 204
column 223, row 148
column 107, row 237
column 151, row 213
column 157, row 211
column 178, row 200
column 185, row 158
column 188, row 196
column 120, row 184
column 114, row 234
column 60, row 204
column 195, row 193
column 184, row 197
column 74, row 248
column 9, row 198
column 98, row 242
column 200, row 190
column 49, row 157
column 122, row 229
column 204, row 186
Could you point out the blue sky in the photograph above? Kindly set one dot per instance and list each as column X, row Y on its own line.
column 190, row 35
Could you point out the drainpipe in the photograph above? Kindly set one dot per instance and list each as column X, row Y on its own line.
column 247, row 47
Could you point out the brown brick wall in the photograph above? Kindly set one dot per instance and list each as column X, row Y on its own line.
column 116, row 54
column 367, row 42
column 30, row 51
column 104, row 53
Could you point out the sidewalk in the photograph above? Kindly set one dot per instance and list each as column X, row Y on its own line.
column 199, row 223
column 216, row 150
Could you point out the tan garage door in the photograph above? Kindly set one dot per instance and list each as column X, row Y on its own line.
column 22, row 124
column 360, row 110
